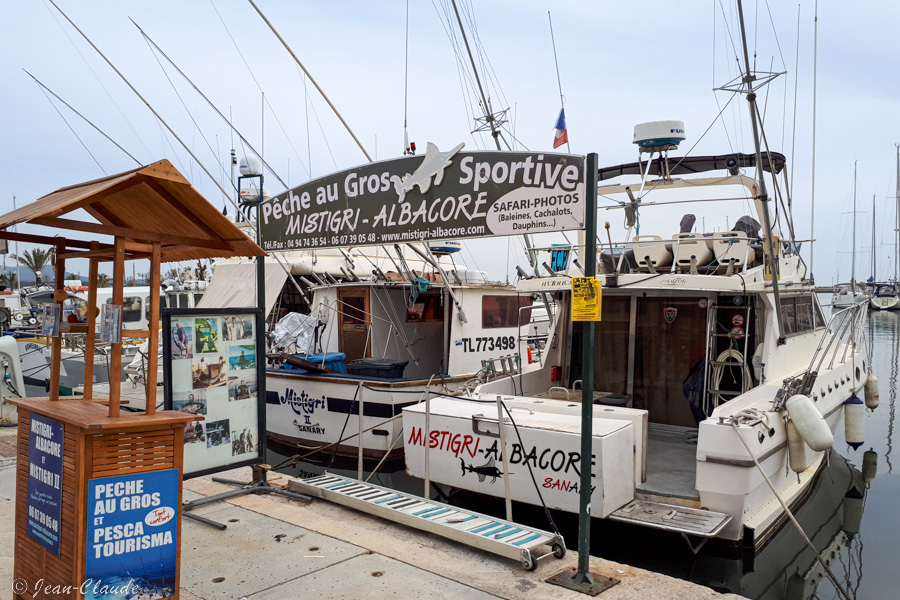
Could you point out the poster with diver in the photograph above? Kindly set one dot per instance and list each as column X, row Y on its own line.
column 132, row 536
column 211, row 363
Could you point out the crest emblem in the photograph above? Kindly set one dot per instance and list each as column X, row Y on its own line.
column 670, row 312
column 433, row 166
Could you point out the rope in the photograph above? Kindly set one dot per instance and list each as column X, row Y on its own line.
column 420, row 285
column 790, row 515
column 719, row 372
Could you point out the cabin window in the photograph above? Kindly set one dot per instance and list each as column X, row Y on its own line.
column 197, row 299
column 425, row 308
column 182, row 301
column 503, row 311
column 800, row 314
column 131, row 308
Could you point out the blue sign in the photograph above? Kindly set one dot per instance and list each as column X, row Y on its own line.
column 132, row 536
column 45, row 465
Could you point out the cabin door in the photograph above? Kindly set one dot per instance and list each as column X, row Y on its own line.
column 353, row 316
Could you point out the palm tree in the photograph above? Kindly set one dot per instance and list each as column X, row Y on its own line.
column 8, row 278
column 102, row 280
column 36, row 260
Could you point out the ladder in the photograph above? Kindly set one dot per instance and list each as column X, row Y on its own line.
column 718, row 329
column 474, row 529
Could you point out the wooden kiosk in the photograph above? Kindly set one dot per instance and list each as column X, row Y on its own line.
column 83, row 457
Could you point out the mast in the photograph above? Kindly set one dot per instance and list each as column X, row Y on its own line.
column 763, row 195
column 874, row 264
column 897, row 217
column 853, row 253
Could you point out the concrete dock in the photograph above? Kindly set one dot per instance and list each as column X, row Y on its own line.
column 276, row 548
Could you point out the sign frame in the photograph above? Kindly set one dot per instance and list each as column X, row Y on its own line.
column 167, row 316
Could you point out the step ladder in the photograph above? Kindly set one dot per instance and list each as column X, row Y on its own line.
column 718, row 329
column 681, row 519
column 464, row 526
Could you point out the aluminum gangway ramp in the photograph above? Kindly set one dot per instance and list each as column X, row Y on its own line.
column 464, row 526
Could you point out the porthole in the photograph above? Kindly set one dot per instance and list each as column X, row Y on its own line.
column 858, row 374
column 822, row 392
column 829, row 389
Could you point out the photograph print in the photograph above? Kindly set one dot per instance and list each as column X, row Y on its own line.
column 218, row 433
column 208, row 371
column 193, row 432
column 238, row 327
column 193, row 402
column 241, row 387
column 182, row 339
column 243, row 442
column 242, row 357
column 207, row 330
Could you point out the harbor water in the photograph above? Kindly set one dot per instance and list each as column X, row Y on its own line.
column 849, row 514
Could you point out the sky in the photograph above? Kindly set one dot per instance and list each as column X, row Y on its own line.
column 620, row 64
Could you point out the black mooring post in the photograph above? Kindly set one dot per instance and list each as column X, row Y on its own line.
column 587, row 378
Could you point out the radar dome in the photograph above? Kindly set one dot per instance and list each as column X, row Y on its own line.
column 250, row 165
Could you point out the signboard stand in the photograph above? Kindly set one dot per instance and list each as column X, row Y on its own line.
column 99, row 490
column 214, row 371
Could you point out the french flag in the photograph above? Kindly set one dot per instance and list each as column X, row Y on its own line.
column 562, row 136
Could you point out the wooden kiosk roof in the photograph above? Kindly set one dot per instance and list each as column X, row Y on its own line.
column 152, row 213
column 154, row 203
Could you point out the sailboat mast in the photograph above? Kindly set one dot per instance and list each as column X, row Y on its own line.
column 874, row 263
column 853, row 254
column 763, row 195
column 897, row 217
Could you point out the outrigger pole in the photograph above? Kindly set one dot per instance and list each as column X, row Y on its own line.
column 300, row 64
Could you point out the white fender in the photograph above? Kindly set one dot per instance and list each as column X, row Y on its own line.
column 797, row 458
column 871, row 388
column 854, row 421
column 810, row 423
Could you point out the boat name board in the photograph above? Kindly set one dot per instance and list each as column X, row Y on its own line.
column 441, row 195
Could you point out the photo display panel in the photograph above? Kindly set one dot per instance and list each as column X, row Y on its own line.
column 213, row 370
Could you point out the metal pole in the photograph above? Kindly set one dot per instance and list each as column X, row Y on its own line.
column 587, row 379
column 503, row 456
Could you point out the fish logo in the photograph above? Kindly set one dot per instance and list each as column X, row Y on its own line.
column 484, row 471
column 433, row 166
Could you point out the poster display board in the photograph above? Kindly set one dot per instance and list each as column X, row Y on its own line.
column 132, row 536
column 212, row 368
column 45, row 466
column 442, row 195
column 587, row 299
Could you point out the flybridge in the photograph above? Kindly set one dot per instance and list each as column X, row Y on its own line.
column 421, row 197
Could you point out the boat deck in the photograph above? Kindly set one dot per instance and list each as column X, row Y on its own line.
column 671, row 464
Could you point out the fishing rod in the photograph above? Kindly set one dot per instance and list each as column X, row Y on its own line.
column 88, row 121
column 208, row 101
column 156, row 114
column 321, row 91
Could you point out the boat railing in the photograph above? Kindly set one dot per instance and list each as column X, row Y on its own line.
column 844, row 334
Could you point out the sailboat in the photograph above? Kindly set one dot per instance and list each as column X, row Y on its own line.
column 886, row 296
column 849, row 294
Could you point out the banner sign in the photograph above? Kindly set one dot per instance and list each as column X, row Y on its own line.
column 132, row 536
column 442, row 195
column 45, row 466
column 212, row 370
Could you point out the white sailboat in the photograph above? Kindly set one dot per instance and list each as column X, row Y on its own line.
column 886, row 296
column 850, row 294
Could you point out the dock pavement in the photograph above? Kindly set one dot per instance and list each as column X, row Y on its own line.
column 276, row 548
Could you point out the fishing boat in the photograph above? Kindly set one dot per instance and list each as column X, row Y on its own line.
column 366, row 347
column 714, row 366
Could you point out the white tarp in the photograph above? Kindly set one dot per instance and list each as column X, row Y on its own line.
column 297, row 330
column 233, row 285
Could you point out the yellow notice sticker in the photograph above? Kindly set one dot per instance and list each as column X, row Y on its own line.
column 586, row 299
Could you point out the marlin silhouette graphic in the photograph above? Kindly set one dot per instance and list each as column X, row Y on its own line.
column 484, row 471
column 433, row 166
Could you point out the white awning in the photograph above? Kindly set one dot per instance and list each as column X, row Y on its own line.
column 233, row 285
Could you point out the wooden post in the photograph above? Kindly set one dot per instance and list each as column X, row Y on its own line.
column 115, row 361
column 59, row 296
column 153, row 326
column 91, row 324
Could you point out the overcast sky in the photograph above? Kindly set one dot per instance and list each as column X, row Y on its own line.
column 620, row 63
